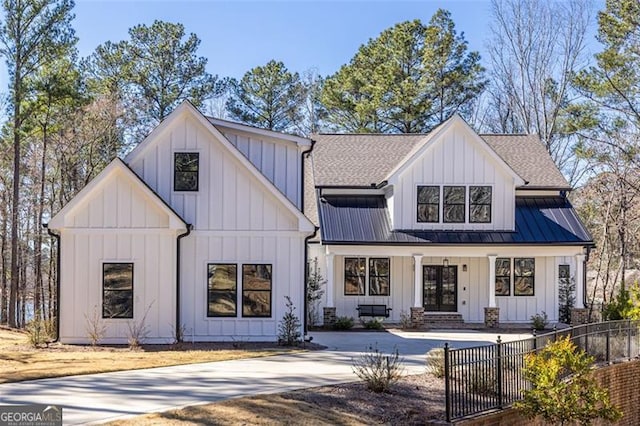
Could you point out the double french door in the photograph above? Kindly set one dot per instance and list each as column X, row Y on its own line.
column 440, row 284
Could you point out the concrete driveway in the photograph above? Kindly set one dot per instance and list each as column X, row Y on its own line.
column 99, row 398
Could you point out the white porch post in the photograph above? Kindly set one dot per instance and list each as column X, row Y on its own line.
column 492, row 280
column 417, row 280
column 580, row 280
column 330, row 280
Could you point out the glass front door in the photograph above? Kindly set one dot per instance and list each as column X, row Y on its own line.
column 440, row 288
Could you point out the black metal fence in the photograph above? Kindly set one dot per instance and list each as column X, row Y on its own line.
column 489, row 377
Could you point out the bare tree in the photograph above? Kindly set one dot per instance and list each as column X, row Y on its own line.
column 535, row 47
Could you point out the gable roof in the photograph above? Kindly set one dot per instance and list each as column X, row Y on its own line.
column 187, row 107
column 365, row 220
column 365, row 159
column 117, row 165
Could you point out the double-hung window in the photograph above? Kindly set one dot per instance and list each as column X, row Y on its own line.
column 428, row 204
column 222, row 290
column 453, row 204
column 379, row 274
column 480, row 204
column 256, row 290
column 354, row 275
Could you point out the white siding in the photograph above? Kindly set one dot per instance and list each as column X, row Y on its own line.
column 456, row 158
column 229, row 198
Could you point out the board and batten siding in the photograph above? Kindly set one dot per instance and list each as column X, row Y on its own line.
column 454, row 158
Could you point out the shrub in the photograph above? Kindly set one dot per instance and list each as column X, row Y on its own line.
column 38, row 332
column 618, row 308
column 483, row 380
column 435, row 362
column 558, row 401
column 539, row 321
column 315, row 282
column 138, row 331
column 343, row 323
column 373, row 324
column 566, row 299
column 289, row 328
column 405, row 320
column 96, row 330
column 377, row 369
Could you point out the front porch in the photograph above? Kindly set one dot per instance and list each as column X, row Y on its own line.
column 447, row 286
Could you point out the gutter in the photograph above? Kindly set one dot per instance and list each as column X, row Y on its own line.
column 302, row 154
column 305, row 326
column 178, row 334
column 57, row 238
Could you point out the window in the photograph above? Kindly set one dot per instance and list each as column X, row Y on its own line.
column 523, row 276
column 117, row 290
column 564, row 276
column 256, row 290
column 185, row 176
column 453, row 204
column 503, row 276
column 222, row 290
column 428, row 203
column 480, row 204
column 379, row 271
column 354, row 275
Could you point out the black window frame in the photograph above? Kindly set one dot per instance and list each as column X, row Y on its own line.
column 502, row 276
column 176, row 171
column 105, row 290
column 211, row 291
column 489, row 204
column 364, row 275
column 245, row 291
column 445, row 204
column 419, row 204
column 377, row 275
column 516, row 276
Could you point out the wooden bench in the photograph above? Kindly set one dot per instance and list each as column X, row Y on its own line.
column 373, row 311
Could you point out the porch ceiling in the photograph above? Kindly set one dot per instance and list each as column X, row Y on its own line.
column 364, row 219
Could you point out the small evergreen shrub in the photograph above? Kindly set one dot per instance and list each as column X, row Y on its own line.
column 539, row 321
column 289, row 328
column 618, row 308
column 343, row 323
column 566, row 299
column 373, row 324
column 435, row 362
column 378, row 370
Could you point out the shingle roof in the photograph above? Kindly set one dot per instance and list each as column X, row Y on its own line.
column 363, row 159
column 364, row 219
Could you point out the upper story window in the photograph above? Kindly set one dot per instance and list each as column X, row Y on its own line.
column 429, row 204
column 117, row 290
column 453, row 204
column 480, row 204
column 185, row 173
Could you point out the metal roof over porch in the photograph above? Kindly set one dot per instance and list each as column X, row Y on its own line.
column 365, row 220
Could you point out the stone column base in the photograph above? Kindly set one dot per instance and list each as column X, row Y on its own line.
column 329, row 317
column 491, row 317
column 417, row 317
column 579, row 316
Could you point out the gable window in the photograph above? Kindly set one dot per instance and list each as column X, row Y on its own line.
column 185, row 173
column 354, row 276
column 453, row 206
column 428, row 204
column 222, row 290
column 379, row 272
column 480, row 204
column 523, row 276
column 503, row 276
column 256, row 290
column 117, row 290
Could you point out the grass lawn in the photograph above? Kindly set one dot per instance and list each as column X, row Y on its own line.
column 19, row 361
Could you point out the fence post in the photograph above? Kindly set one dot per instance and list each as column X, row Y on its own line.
column 535, row 340
column 447, row 385
column 629, row 339
column 555, row 333
column 499, row 375
column 608, row 340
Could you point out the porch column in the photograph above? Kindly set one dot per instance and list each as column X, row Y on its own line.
column 492, row 280
column 580, row 280
column 417, row 280
column 330, row 280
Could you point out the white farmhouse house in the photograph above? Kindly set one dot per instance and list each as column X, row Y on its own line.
column 201, row 228
column 449, row 225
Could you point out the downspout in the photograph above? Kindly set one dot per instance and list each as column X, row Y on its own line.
column 587, row 250
column 302, row 154
column 57, row 238
column 178, row 334
column 305, row 326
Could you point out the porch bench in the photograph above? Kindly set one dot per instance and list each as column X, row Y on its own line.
column 373, row 311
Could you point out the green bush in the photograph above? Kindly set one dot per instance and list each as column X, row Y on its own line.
column 557, row 400
column 435, row 362
column 617, row 308
column 539, row 321
column 378, row 370
column 289, row 328
column 373, row 324
column 343, row 323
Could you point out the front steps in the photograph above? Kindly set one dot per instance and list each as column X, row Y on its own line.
column 443, row 320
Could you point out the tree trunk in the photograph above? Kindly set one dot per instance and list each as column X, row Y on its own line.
column 39, row 284
column 15, row 205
